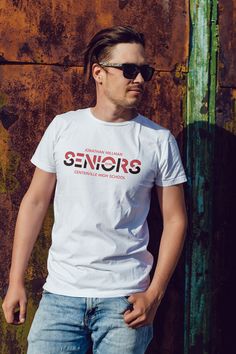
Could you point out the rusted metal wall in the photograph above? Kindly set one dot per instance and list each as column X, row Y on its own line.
column 41, row 75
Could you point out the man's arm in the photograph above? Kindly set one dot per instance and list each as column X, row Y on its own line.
column 31, row 213
column 172, row 205
column 145, row 304
column 30, row 217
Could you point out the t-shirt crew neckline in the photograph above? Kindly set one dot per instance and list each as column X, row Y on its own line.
column 114, row 124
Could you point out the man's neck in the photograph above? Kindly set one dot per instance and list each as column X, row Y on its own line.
column 114, row 114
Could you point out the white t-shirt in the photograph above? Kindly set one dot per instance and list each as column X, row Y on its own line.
column 105, row 172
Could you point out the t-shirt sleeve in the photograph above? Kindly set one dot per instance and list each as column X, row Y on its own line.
column 170, row 168
column 44, row 156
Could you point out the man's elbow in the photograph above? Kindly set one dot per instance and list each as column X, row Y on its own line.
column 178, row 222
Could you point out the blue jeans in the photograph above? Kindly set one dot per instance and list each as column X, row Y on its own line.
column 66, row 324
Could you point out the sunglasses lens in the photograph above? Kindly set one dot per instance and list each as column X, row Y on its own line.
column 131, row 71
column 147, row 72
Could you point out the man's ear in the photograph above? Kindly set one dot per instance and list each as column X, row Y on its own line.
column 97, row 73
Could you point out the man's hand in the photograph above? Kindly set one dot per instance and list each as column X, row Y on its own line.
column 14, row 305
column 145, row 305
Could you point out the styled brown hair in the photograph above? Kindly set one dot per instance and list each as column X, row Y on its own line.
column 99, row 47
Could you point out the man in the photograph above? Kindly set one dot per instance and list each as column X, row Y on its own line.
column 104, row 161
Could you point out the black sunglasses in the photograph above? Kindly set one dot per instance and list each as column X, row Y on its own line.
column 130, row 71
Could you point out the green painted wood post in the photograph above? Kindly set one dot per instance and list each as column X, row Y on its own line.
column 200, row 124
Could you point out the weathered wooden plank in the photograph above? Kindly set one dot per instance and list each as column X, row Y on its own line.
column 201, row 94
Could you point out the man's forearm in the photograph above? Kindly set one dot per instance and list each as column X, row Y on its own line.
column 28, row 224
column 171, row 246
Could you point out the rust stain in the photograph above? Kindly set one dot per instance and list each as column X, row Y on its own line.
column 103, row 13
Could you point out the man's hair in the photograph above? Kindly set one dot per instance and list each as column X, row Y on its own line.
column 99, row 47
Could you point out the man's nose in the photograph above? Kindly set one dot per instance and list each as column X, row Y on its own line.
column 139, row 78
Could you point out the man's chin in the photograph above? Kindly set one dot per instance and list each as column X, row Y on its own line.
column 133, row 104
column 129, row 104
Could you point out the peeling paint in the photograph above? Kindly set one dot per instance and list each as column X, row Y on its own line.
column 200, row 116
